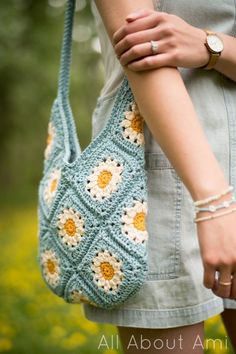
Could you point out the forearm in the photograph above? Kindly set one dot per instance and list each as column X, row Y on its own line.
column 168, row 111
column 227, row 61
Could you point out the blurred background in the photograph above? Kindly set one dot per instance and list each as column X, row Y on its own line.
column 32, row 319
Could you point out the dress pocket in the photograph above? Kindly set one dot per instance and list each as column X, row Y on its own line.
column 165, row 190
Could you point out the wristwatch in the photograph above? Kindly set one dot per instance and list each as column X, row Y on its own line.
column 215, row 46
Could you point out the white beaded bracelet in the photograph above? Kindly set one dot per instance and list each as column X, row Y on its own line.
column 215, row 215
column 212, row 208
column 213, row 197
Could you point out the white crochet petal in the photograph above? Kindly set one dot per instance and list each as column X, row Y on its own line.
column 133, row 222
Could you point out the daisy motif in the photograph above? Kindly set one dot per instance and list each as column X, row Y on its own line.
column 51, row 269
column 107, row 271
column 70, row 227
column 52, row 185
column 132, row 125
column 104, row 179
column 50, row 139
column 133, row 222
column 77, row 297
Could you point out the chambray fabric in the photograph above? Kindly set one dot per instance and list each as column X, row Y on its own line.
column 173, row 294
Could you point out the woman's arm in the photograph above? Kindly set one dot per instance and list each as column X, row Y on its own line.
column 180, row 44
column 227, row 61
column 167, row 109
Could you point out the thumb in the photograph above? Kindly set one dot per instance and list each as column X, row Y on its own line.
column 137, row 14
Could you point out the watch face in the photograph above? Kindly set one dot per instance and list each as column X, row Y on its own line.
column 215, row 43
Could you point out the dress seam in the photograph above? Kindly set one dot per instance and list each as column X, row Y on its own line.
column 176, row 309
column 147, row 318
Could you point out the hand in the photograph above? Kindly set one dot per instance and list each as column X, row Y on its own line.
column 217, row 240
column 179, row 43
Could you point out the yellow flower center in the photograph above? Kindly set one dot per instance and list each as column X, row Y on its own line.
column 51, row 266
column 49, row 139
column 139, row 221
column 53, row 185
column 107, row 270
column 104, row 179
column 70, row 227
column 137, row 124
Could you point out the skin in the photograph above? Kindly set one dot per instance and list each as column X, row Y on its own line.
column 166, row 338
column 177, row 129
column 179, row 44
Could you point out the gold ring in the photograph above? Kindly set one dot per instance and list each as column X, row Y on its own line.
column 225, row 283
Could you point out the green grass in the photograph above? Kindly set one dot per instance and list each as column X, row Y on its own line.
column 34, row 320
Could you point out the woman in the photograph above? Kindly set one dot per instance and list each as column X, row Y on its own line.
column 190, row 143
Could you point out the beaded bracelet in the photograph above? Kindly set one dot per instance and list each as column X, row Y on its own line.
column 212, row 208
column 213, row 197
column 215, row 215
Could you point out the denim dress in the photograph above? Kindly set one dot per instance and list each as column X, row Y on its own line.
column 173, row 294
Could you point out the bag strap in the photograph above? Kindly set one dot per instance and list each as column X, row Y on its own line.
column 66, row 51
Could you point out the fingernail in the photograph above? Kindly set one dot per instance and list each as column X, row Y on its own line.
column 130, row 19
column 113, row 41
column 133, row 15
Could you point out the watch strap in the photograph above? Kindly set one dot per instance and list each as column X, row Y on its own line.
column 212, row 61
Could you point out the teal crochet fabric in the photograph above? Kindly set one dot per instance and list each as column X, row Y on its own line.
column 93, row 204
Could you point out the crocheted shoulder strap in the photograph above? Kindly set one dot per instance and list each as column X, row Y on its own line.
column 71, row 139
column 66, row 51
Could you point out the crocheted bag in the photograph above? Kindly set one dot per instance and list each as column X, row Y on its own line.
column 92, row 204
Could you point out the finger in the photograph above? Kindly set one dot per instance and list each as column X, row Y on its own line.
column 233, row 287
column 136, row 38
column 224, row 283
column 209, row 276
column 139, row 51
column 141, row 24
column 151, row 62
column 138, row 14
